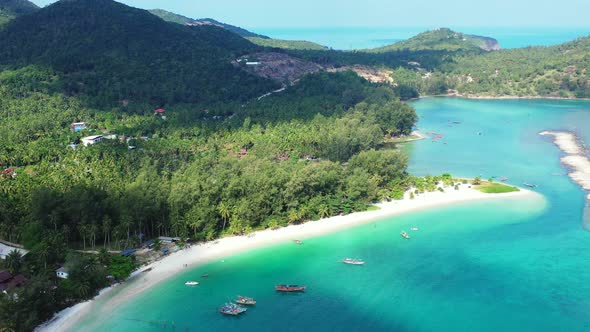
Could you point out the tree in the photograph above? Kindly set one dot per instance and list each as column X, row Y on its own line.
column 476, row 181
column 14, row 261
column 225, row 213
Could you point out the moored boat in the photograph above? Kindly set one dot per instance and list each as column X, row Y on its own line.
column 290, row 288
column 353, row 261
column 530, row 185
column 243, row 300
column 414, row 229
column 405, row 235
column 298, row 241
column 191, row 283
column 232, row 309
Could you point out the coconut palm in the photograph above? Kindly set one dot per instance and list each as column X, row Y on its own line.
column 14, row 261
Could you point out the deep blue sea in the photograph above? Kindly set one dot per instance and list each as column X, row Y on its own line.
column 361, row 38
column 504, row 265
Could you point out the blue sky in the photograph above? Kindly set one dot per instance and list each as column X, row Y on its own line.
column 381, row 13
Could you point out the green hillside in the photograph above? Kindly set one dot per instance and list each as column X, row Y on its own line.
column 442, row 40
column 10, row 9
column 110, row 52
column 287, row 44
column 179, row 19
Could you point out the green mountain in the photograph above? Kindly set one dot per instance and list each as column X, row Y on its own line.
column 179, row 19
column 287, row 44
column 10, row 9
column 443, row 40
column 108, row 52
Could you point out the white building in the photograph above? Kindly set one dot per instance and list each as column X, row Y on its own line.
column 62, row 273
column 77, row 126
column 253, row 63
column 90, row 140
column 5, row 249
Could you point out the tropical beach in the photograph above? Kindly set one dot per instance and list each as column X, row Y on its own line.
column 206, row 252
column 576, row 157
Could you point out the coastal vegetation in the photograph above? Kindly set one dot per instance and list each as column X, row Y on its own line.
column 495, row 188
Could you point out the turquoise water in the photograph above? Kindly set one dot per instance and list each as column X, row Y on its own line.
column 361, row 38
column 509, row 265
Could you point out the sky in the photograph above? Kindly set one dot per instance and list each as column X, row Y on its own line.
column 378, row 13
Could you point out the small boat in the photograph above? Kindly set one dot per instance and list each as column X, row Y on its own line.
column 405, row 235
column 243, row 300
column 191, row 283
column 232, row 309
column 414, row 229
column 504, row 179
column 530, row 185
column 290, row 288
column 298, row 241
column 206, row 275
column 353, row 261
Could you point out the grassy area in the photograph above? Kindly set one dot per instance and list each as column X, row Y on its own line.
column 495, row 188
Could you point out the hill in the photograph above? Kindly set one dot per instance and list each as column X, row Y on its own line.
column 443, row 39
column 287, row 44
column 183, row 20
column 10, row 9
column 109, row 52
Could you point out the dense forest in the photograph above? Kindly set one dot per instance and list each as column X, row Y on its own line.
column 217, row 161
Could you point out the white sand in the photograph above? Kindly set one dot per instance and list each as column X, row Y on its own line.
column 576, row 157
column 207, row 252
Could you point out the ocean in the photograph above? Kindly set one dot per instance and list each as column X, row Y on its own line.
column 362, row 38
column 506, row 265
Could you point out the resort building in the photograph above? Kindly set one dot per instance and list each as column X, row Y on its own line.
column 9, row 282
column 6, row 248
column 91, row 140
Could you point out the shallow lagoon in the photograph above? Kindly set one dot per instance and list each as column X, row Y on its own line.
column 499, row 265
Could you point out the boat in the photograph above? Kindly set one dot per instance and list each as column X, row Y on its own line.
column 232, row 309
column 243, row 300
column 191, row 283
column 206, row 275
column 353, row 261
column 405, row 235
column 504, row 179
column 530, row 185
column 290, row 288
column 298, row 241
column 414, row 229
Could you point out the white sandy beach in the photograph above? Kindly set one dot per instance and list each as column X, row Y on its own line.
column 200, row 254
column 576, row 157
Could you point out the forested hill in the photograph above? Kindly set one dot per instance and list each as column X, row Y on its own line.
column 176, row 18
column 108, row 52
column 443, row 39
column 9, row 9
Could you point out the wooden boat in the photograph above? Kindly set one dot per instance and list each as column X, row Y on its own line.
column 232, row 309
column 405, row 235
column 290, row 288
column 191, row 283
column 243, row 300
column 353, row 261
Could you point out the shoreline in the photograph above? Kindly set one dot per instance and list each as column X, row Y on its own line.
column 201, row 254
column 476, row 97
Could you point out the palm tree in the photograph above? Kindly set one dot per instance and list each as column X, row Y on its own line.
column 14, row 261
column 106, row 229
column 324, row 211
column 82, row 288
column 224, row 212
column 104, row 256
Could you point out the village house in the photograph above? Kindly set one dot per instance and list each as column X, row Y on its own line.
column 9, row 282
column 77, row 126
column 166, row 239
column 91, row 140
column 62, row 273
column 6, row 248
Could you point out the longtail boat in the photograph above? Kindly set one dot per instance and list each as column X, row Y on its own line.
column 290, row 288
column 353, row 261
column 232, row 309
column 243, row 300
column 405, row 235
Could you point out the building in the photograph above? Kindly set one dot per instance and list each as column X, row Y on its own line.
column 253, row 63
column 77, row 126
column 8, row 282
column 62, row 273
column 160, row 111
column 91, row 140
column 6, row 248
